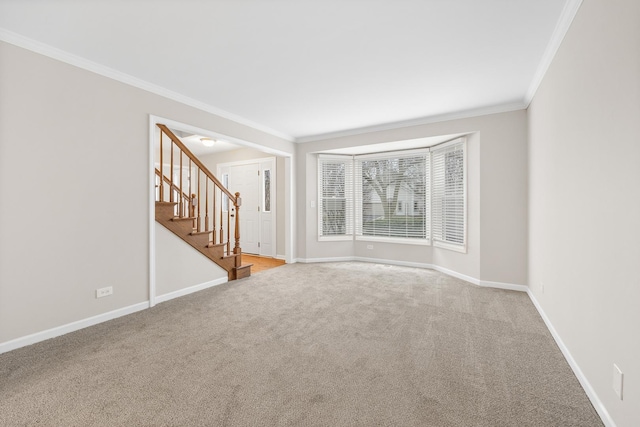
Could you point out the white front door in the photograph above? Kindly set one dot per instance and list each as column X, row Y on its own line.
column 245, row 180
column 255, row 181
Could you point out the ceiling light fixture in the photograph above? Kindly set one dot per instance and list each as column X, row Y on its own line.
column 208, row 142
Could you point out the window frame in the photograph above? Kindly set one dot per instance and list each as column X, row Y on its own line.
column 348, row 196
column 354, row 184
column 390, row 155
column 266, row 192
column 454, row 246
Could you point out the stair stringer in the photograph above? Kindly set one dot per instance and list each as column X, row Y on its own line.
column 183, row 228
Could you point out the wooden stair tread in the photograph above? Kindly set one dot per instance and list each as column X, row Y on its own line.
column 184, row 218
column 213, row 251
column 216, row 245
column 199, row 233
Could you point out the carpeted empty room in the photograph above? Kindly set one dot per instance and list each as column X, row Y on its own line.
column 335, row 344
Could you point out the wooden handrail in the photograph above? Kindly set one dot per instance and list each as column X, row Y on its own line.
column 197, row 162
column 229, row 203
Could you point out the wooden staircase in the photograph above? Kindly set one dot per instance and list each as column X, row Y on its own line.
column 198, row 223
column 201, row 240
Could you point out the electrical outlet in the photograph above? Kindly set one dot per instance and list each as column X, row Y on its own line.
column 618, row 380
column 104, row 292
column 369, row 246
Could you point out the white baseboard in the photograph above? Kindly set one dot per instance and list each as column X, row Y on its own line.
column 473, row 280
column 500, row 285
column 314, row 260
column 457, row 275
column 190, row 290
column 281, row 257
column 595, row 400
column 80, row 324
column 393, row 262
column 70, row 327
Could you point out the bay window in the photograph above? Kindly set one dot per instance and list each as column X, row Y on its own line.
column 412, row 196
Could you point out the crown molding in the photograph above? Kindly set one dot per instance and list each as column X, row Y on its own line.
column 495, row 109
column 77, row 61
column 562, row 27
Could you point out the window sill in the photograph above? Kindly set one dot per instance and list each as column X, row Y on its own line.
column 336, row 238
column 450, row 246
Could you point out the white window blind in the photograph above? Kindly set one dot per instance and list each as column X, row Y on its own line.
column 335, row 196
column 412, row 196
column 448, row 194
column 392, row 195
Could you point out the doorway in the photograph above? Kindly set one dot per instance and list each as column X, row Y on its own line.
column 255, row 181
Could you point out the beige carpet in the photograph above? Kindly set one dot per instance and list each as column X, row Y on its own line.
column 346, row 344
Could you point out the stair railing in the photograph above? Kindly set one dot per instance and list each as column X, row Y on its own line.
column 219, row 203
column 186, row 199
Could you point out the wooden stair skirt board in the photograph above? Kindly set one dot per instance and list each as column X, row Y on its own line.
column 183, row 228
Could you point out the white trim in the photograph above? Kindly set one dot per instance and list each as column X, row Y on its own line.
column 562, row 27
column 436, row 150
column 315, row 260
column 452, row 246
column 394, row 154
column 191, row 289
column 281, row 257
column 70, row 327
column 595, row 400
column 501, row 285
column 472, row 280
column 244, row 162
column 392, row 262
column 289, row 213
column 85, row 64
column 452, row 142
column 457, row 275
column 152, row 213
column 273, row 170
column 216, row 135
column 568, row 14
column 502, row 108
column 336, row 238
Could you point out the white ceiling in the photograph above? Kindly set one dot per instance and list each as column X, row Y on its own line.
column 305, row 68
column 194, row 143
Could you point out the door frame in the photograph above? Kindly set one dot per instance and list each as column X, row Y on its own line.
column 274, row 200
column 289, row 193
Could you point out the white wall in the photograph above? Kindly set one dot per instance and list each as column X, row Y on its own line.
column 74, row 185
column 497, row 202
column 179, row 266
column 584, row 196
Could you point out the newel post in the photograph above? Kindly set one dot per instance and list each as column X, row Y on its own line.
column 236, row 249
